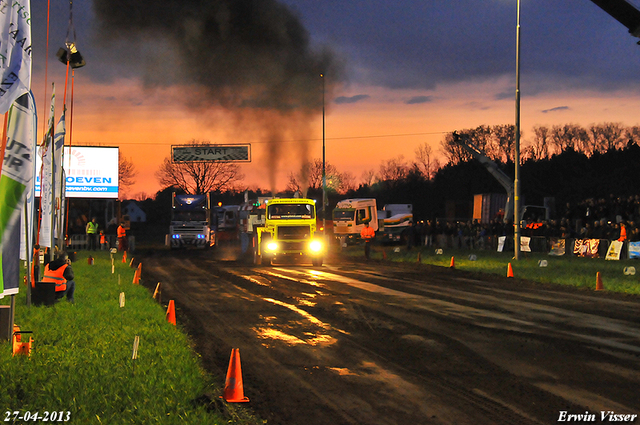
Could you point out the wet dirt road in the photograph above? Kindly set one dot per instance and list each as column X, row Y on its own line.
column 382, row 343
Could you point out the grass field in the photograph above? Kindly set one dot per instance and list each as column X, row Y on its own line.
column 82, row 358
column 564, row 270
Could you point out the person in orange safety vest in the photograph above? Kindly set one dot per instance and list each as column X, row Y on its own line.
column 623, row 232
column 103, row 241
column 59, row 271
column 122, row 238
column 367, row 234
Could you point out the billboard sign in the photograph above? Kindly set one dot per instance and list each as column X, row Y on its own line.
column 91, row 172
column 211, row 153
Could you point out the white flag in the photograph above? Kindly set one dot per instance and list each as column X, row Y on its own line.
column 17, row 175
column 59, row 186
column 46, row 151
column 31, row 224
column 15, row 51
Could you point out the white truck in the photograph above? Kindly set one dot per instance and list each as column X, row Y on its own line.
column 397, row 219
column 349, row 217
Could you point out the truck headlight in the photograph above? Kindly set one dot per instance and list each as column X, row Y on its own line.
column 315, row 246
column 272, row 246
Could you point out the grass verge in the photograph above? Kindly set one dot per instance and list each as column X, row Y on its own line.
column 82, row 358
column 565, row 270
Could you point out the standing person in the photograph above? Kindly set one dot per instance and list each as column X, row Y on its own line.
column 122, row 238
column 92, row 234
column 623, row 232
column 429, row 229
column 367, row 234
column 410, row 235
column 103, row 241
column 59, row 271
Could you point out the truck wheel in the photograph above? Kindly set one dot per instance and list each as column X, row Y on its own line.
column 317, row 262
column 257, row 258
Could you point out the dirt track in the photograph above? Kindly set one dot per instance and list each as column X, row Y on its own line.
column 375, row 343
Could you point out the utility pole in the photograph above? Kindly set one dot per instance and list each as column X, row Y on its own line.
column 516, row 183
column 324, row 169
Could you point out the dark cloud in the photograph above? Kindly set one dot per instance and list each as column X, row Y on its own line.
column 570, row 44
column 556, row 109
column 352, row 99
column 265, row 52
column 419, row 99
column 505, row 95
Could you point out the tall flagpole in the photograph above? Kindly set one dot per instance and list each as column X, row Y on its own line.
column 52, row 148
column 27, row 242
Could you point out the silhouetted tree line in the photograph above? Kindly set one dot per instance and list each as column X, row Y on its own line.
column 567, row 162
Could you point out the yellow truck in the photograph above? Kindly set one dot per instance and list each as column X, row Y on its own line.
column 289, row 231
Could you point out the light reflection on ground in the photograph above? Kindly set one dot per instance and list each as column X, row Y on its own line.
column 275, row 334
column 342, row 371
column 254, row 280
column 311, row 338
column 282, row 276
column 303, row 313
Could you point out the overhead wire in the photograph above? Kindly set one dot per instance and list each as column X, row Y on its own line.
column 305, row 140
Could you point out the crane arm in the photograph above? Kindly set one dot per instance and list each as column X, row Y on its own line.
column 492, row 168
column 623, row 12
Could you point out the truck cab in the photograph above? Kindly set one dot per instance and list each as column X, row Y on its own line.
column 289, row 231
column 349, row 218
column 190, row 225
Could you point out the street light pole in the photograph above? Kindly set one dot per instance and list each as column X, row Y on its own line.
column 516, row 183
column 324, row 170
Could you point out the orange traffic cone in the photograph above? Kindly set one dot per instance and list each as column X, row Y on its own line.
column 453, row 264
column 599, row 285
column 509, row 271
column 124, row 257
column 171, row 313
column 419, row 259
column 137, row 274
column 233, row 389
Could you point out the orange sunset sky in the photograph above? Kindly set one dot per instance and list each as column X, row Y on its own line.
column 567, row 77
column 358, row 137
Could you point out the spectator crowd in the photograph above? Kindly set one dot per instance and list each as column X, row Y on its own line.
column 592, row 218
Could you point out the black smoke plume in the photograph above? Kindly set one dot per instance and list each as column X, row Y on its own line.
column 237, row 53
column 251, row 57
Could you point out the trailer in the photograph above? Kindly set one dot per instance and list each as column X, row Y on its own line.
column 396, row 219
